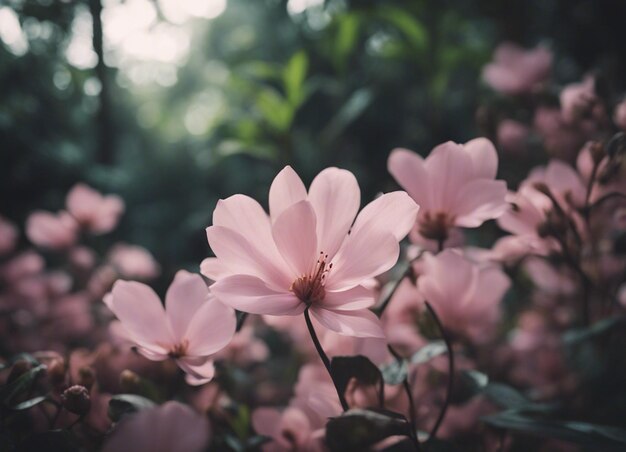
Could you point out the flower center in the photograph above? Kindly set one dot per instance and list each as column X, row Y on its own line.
column 179, row 350
column 435, row 225
column 310, row 288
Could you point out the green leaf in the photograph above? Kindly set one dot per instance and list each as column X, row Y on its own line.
column 28, row 403
column 347, row 33
column 358, row 429
column 410, row 26
column 349, row 112
column 578, row 335
column 22, row 384
column 275, row 110
column 394, row 373
column 122, row 404
column 293, row 77
column 429, row 351
column 576, row 432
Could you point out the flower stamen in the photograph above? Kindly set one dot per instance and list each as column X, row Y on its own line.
column 310, row 288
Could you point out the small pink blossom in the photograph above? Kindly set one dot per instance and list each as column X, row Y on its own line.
column 132, row 261
column 96, row 213
column 192, row 327
column 469, row 303
column 24, row 264
column 172, row 426
column 560, row 138
column 49, row 230
column 301, row 255
column 8, row 236
column 513, row 136
column 515, row 70
column 454, row 186
column 578, row 100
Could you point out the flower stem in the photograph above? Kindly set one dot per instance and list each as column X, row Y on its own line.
column 324, row 358
column 448, row 342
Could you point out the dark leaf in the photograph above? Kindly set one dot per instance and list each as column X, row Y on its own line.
column 22, row 384
column 579, row 335
column 344, row 368
column 359, row 429
column 28, row 403
column 428, row 352
column 511, row 399
column 123, row 404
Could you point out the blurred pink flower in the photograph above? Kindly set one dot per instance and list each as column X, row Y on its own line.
column 172, row 426
column 24, row 264
column 49, row 230
column 192, row 327
column 301, row 255
column 96, row 213
column 469, row 303
column 133, row 261
column 563, row 181
column 619, row 115
column 454, row 186
column 515, row 70
column 578, row 100
column 560, row 138
column 244, row 348
column 512, row 136
column 8, row 236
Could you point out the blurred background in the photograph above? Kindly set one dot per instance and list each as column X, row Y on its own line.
column 173, row 104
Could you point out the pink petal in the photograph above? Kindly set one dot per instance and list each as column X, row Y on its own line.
column 250, row 294
column 295, row 237
column 266, row 421
column 480, row 200
column 449, row 169
column 187, row 293
column 336, row 198
column 211, row 329
column 140, row 311
column 212, row 268
column 361, row 323
column 286, row 190
column 484, row 157
column 238, row 255
column 493, row 283
column 392, row 212
column 357, row 297
column 198, row 372
column 364, row 254
column 408, row 170
column 435, row 283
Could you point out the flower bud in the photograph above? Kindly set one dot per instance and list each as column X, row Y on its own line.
column 129, row 381
column 57, row 372
column 76, row 400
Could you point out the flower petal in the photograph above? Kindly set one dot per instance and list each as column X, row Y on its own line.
column 212, row 268
column 408, row 170
column 140, row 311
column 211, row 329
column 250, row 294
column 364, row 254
column 187, row 293
column 238, row 256
column 480, row 200
column 449, row 168
column 361, row 323
column 484, row 157
column 295, row 237
column 357, row 297
column 336, row 197
column 392, row 212
column 286, row 190
column 197, row 373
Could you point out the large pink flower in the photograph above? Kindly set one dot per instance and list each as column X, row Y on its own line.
column 309, row 252
column 96, row 213
column 454, row 186
column 515, row 70
column 468, row 303
column 192, row 327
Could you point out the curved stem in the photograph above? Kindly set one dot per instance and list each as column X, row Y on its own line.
column 409, row 395
column 446, row 403
column 324, row 358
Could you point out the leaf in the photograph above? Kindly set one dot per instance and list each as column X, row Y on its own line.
column 346, row 37
column 577, row 432
column 293, row 77
column 28, row 403
column 122, row 404
column 348, row 113
column 468, row 383
column 429, row 351
column 358, row 429
column 52, row 440
column 394, row 373
column 411, row 27
column 275, row 110
column 578, row 335
column 22, row 384
column 344, row 368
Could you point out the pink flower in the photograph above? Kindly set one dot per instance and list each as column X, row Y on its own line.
column 301, row 255
column 454, row 186
column 96, row 213
column 578, row 100
column 515, row 70
column 8, row 236
column 619, row 115
column 563, row 181
column 172, row 426
column 133, row 261
column 468, row 303
column 560, row 138
column 52, row 231
column 192, row 327
column 512, row 136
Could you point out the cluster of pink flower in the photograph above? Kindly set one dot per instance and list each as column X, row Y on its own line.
column 371, row 337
